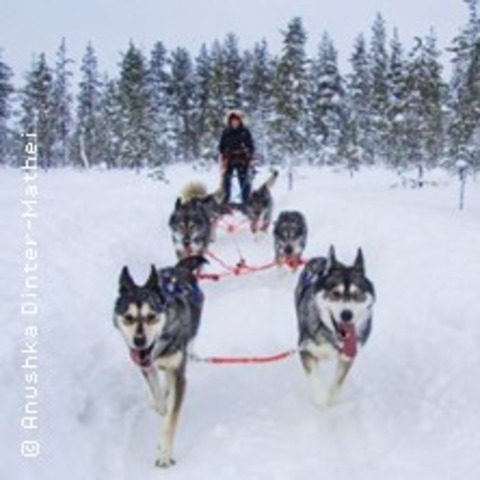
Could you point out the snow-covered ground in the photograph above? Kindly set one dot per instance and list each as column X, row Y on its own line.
column 410, row 408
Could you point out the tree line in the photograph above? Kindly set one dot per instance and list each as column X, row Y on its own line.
column 394, row 107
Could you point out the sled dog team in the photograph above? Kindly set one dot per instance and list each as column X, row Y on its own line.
column 160, row 319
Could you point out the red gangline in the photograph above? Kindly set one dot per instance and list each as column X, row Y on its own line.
column 242, row 268
column 219, row 261
column 231, row 227
column 247, row 360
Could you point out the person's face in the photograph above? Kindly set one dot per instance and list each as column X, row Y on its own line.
column 234, row 122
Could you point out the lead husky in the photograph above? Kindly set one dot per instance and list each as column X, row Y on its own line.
column 159, row 322
column 334, row 311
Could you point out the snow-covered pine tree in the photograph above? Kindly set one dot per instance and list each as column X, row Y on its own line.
column 424, row 97
column 182, row 105
column 327, row 111
column 289, row 125
column 217, row 57
column 379, row 105
column 435, row 97
column 161, row 145
column 208, row 118
column 473, row 82
column 218, row 81
column 88, row 148
column 397, row 105
column 109, row 123
column 258, row 79
column 6, row 90
column 359, row 90
column 233, row 72
column 134, row 104
column 464, row 127
column 37, row 109
column 62, row 106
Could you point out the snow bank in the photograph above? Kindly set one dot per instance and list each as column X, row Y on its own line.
column 409, row 409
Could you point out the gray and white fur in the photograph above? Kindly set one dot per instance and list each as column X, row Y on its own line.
column 191, row 228
column 259, row 208
column 194, row 220
column 290, row 238
column 159, row 322
column 334, row 306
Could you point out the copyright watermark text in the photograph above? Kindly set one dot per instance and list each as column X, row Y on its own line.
column 29, row 304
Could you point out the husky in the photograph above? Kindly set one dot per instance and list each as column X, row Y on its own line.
column 259, row 208
column 334, row 306
column 194, row 219
column 290, row 238
column 213, row 202
column 159, row 322
column 216, row 209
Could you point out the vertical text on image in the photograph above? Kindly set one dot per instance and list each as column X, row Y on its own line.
column 29, row 305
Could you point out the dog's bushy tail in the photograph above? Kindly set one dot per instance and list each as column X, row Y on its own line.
column 271, row 180
column 193, row 190
column 192, row 263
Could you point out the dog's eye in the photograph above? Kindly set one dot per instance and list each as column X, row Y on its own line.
column 151, row 318
column 335, row 295
column 358, row 297
column 128, row 319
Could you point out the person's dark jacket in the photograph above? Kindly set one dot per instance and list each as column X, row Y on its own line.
column 237, row 143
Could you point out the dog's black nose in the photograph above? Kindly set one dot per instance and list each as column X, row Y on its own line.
column 139, row 341
column 346, row 315
column 288, row 250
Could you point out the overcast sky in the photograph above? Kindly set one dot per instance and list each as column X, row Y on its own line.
column 32, row 26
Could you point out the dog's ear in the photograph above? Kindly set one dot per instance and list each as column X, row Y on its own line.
column 359, row 263
column 152, row 282
column 178, row 203
column 332, row 261
column 126, row 282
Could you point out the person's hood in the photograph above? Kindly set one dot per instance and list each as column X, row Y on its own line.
column 236, row 113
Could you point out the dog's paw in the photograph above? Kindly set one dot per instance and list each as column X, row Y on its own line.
column 332, row 398
column 164, row 460
column 159, row 404
column 160, row 407
column 318, row 401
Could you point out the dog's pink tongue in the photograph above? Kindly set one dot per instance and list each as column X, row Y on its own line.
column 349, row 335
column 135, row 356
column 140, row 357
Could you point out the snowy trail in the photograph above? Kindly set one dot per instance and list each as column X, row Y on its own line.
column 409, row 409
